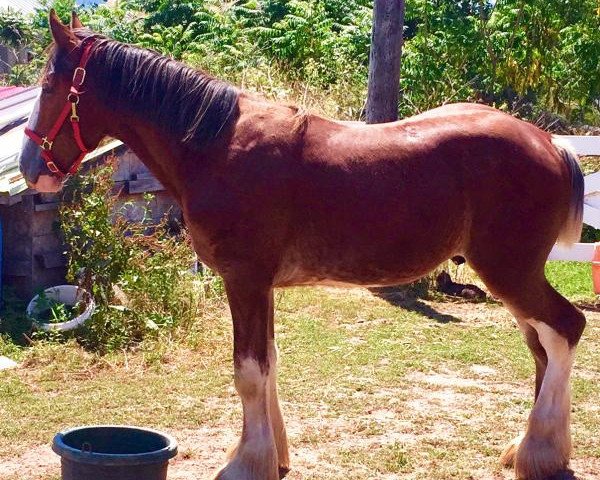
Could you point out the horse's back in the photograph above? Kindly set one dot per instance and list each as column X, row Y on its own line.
column 377, row 204
column 392, row 201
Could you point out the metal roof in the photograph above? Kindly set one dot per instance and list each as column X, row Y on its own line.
column 29, row 6
column 14, row 113
column 25, row 6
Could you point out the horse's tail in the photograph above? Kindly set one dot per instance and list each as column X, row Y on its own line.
column 571, row 230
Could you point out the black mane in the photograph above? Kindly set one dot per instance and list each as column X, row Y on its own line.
column 186, row 102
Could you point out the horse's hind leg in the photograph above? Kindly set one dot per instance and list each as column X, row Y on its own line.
column 541, row 362
column 552, row 328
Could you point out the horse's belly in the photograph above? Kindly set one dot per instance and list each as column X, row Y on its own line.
column 340, row 269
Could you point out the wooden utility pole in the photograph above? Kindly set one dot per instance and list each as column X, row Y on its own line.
column 384, row 62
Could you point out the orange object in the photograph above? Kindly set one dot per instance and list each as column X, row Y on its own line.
column 596, row 269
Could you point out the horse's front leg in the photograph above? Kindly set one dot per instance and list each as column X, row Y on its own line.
column 263, row 434
column 281, row 442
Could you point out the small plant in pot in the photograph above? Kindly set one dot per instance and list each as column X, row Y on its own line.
column 61, row 308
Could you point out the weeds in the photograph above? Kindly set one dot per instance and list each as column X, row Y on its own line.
column 138, row 273
column 144, row 278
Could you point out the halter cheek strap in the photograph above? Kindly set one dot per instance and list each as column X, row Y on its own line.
column 46, row 142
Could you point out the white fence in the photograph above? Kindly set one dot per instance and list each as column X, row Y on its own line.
column 583, row 252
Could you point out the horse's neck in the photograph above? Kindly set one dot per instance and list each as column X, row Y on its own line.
column 154, row 149
column 158, row 128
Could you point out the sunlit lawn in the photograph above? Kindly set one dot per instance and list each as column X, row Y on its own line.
column 371, row 390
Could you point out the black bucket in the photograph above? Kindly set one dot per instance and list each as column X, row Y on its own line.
column 110, row 452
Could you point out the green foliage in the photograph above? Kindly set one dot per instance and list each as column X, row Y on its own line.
column 174, row 41
column 541, row 47
column 15, row 31
column 310, row 41
column 116, row 22
column 529, row 56
column 48, row 310
column 21, row 75
column 139, row 274
column 39, row 20
column 535, row 58
column 95, row 243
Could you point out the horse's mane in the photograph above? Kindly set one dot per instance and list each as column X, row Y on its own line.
column 188, row 103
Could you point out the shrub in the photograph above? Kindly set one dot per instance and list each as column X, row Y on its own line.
column 138, row 273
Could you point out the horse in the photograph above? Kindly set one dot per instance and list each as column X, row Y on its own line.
column 276, row 197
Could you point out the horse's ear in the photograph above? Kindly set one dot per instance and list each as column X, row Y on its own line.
column 62, row 34
column 75, row 22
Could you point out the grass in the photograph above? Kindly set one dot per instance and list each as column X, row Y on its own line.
column 370, row 390
column 571, row 279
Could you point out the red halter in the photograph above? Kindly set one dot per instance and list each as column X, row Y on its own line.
column 46, row 142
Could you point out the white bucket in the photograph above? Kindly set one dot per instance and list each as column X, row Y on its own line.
column 67, row 295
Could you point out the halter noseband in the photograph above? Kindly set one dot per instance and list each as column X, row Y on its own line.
column 46, row 142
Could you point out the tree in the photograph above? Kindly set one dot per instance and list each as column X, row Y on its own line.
column 384, row 65
column 15, row 32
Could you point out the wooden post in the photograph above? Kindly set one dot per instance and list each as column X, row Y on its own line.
column 384, row 62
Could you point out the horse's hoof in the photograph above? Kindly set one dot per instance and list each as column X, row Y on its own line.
column 507, row 459
column 540, row 459
column 248, row 470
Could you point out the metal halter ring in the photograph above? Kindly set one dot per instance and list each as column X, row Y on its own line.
column 52, row 167
column 70, row 97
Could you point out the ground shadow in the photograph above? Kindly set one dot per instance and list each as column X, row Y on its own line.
column 14, row 322
column 406, row 299
column 564, row 475
column 592, row 306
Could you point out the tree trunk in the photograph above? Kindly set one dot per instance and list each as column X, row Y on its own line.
column 384, row 62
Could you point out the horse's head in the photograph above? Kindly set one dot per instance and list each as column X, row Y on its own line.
column 55, row 144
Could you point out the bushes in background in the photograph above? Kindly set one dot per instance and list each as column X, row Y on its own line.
column 139, row 274
column 528, row 57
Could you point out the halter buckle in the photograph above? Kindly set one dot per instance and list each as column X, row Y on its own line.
column 79, row 76
column 46, row 144
column 53, row 167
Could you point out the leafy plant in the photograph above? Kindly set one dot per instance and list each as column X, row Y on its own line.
column 48, row 310
column 139, row 273
column 15, row 31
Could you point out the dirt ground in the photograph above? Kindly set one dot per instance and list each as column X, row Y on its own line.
column 442, row 403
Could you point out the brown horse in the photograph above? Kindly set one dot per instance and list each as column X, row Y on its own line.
column 275, row 198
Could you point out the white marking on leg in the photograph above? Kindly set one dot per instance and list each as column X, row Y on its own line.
column 255, row 458
column 278, row 424
column 546, row 447
column 251, row 384
column 553, row 403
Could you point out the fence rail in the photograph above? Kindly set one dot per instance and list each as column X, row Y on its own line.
column 583, row 252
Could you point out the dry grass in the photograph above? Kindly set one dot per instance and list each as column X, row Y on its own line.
column 370, row 391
